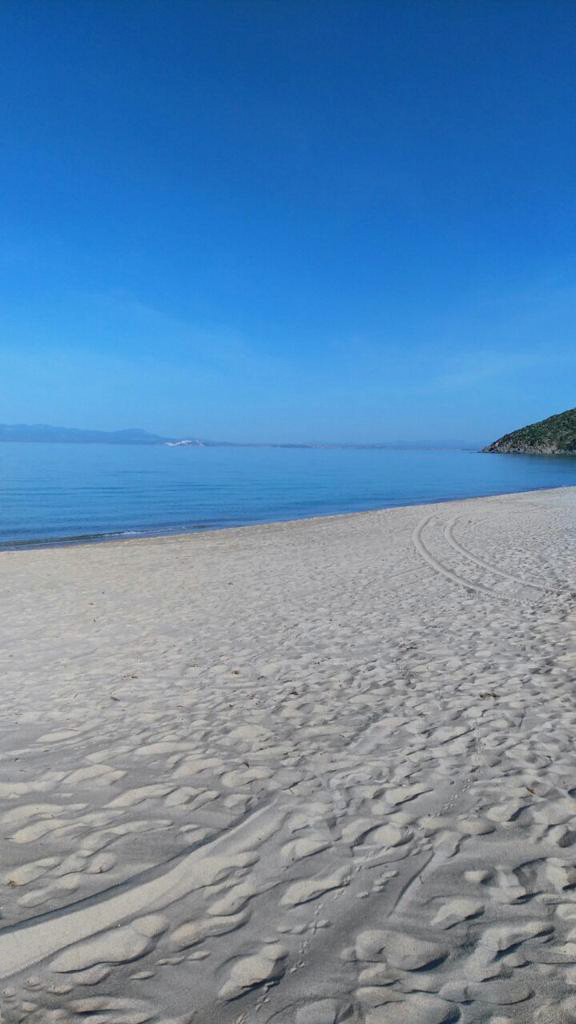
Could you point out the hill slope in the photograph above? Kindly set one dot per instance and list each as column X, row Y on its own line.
column 553, row 436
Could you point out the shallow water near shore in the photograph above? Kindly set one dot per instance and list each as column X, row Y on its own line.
column 58, row 493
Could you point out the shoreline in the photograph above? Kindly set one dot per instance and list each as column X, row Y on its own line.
column 123, row 537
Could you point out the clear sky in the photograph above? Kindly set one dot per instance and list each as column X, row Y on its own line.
column 288, row 219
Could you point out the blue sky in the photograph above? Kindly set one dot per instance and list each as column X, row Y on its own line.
column 288, row 219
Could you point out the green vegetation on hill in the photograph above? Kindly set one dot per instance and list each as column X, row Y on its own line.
column 554, row 436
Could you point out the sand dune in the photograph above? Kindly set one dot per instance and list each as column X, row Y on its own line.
column 301, row 773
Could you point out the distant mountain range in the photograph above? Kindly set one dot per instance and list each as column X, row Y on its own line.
column 71, row 435
column 553, row 436
column 44, row 434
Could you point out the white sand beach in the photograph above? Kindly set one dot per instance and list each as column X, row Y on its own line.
column 299, row 773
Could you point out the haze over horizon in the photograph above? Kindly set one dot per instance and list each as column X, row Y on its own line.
column 46, row 432
column 290, row 222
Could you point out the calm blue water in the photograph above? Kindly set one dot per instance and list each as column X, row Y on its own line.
column 53, row 493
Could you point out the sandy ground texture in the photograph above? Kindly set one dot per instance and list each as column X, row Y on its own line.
column 302, row 773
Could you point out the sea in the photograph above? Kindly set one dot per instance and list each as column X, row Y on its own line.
column 72, row 493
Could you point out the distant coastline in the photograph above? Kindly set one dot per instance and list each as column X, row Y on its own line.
column 45, row 434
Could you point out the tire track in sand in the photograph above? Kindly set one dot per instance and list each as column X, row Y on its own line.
column 26, row 944
column 442, row 569
column 451, row 539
